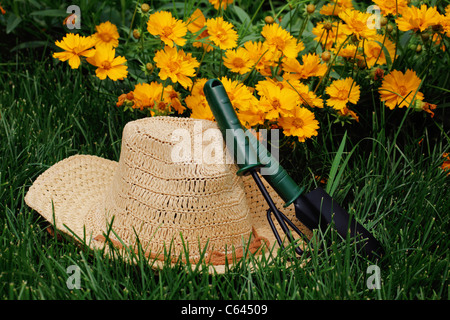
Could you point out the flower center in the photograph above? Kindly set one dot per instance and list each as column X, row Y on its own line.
column 298, row 123
column 279, row 42
column 106, row 65
column 174, row 67
column 403, row 92
column 167, row 31
column 105, row 37
column 221, row 35
column 161, row 106
column 376, row 52
column 342, row 95
column 238, row 62
column 276, row 104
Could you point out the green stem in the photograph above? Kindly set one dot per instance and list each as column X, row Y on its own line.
column 331, row 64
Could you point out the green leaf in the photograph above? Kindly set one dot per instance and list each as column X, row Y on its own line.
column 12, row 22
column 333, row 180
column 50, row 13
column 29, row 44
column 242, row 15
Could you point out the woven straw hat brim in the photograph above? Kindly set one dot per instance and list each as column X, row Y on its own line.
column 66, row 192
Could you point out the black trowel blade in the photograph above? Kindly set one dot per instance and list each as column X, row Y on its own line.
column 317, row 209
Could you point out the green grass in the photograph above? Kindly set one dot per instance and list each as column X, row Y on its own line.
column 397, row 190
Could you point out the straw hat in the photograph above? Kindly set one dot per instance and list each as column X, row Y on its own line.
column 163, row 193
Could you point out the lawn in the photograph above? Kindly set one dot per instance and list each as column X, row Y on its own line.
column 390, row 173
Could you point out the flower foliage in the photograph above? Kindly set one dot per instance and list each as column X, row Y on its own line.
column 277, row 73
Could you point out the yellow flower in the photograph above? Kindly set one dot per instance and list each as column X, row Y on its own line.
column 172, row 99
column 374, row 51
column 262, row 57
column 74, row 46
column 357, row 23
column 279, row 39
column 220, row 3
column 398, row 89
column 168, row 28
column 445, row 23
column 332, row 35
column 238, row 60
column 311, row 67
column 221, row 33
column 342, row 92
column 145, row 95
column 301, row 123
column 252, row 117
column 350, row 51
column 275, row 99
column 176, row 65
column 197, row 22
column 334, row 8
column 307, row 97
column 446, row 163
column 392, row 7
column 197, row 102
column 417, row 19
column 240, row 95
column 106, row 35
column 200, row 107
column 108, row 65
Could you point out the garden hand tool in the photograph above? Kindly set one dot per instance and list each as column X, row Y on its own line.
column 316, row 209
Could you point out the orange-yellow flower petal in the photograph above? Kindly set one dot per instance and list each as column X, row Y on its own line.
column 176, row 65
column 342, row 92
column 221, row 33
column 106, row 35
column 398, row 89
column 277, row 38
column 74, row 46
column 418, row 19
column 108, row 65
column 169, row 29
column 238, row 60
column 301, row 124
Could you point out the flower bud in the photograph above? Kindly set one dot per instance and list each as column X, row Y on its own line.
column 310, row 8
column 328, row 25
column 326, row 56
column 377, row 74
column 389, row 28
column 136, row 34
column 269, row 20
column 145, row 7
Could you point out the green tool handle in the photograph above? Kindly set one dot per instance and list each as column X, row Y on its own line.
column 249, row 154
column 232, row 131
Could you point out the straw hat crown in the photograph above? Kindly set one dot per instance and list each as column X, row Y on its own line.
column 161, row 200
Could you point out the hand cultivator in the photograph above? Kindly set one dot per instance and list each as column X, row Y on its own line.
column 316, row 209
